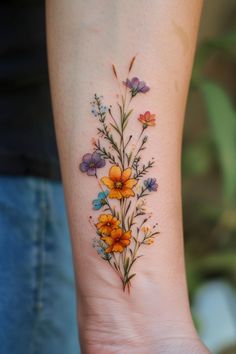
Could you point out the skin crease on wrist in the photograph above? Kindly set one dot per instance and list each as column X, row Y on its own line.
column 84, row 39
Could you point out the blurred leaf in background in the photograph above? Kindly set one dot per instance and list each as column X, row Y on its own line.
column 209, row 167
column 222, row 119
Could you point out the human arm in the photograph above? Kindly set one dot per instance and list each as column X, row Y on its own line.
column 86, row 39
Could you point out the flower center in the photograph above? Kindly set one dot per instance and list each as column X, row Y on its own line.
column 108, row 224
column 117, row 239
column 118, row 185
column 92, row 164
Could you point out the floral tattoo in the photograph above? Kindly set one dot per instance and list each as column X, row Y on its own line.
column 122, row 227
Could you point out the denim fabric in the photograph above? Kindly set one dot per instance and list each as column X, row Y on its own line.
column 37, row 296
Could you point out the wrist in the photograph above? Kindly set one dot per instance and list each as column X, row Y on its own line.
column 156, row 311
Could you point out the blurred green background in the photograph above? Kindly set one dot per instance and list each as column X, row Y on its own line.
column 209, row 178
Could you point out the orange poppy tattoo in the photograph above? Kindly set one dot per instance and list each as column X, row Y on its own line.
column 123, row 226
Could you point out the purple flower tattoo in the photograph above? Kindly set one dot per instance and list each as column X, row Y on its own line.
column 90, row 163
column 151, row 184
column 136, row 86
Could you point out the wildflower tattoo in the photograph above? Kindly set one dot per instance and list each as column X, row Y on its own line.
column 121, row 228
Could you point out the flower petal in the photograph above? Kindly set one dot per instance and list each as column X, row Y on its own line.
column 108, row 182
column 115, row 194
column 127, row 192
column 142, row 118
column 99, row 225
column 83, row 167
column 96, row 204
column 97, row 160
column 126, row 235
column 102, row 195
column 115, row 173
column 127, row 83
column 103, row 218
column 134, row 83
column 144, row 89
column 95, row 156
column 126, row 174
column 109, row 241
column 124, row 243
column 147, row 115
column 91, row 171
column 117, row 248
column 105, row 230
column 110, row 218
column 100, row 163
column 141, row 85
column 87, row 157
column 116, row 233
column 130, row 183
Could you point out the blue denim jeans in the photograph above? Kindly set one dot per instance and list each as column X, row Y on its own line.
column 37, row 295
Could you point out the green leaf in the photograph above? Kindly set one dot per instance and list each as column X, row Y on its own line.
column 128, row 114
column 126, row 266
column 154, row 233
column 116, row 129
column 129, row 156
column 134, row 260
column 125, row 124
column 224, row 44
column 123, row 100
column 127, row 209
column 120, row 109
column 222, row 119
column 115, row 266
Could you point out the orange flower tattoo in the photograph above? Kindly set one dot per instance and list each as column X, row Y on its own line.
column 107, row 223
column 147, row 119
column 119, row 183
column 117, row 241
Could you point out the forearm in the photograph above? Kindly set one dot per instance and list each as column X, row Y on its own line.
column 85, row 39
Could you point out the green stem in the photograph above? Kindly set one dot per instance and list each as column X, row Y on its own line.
column 139, row 149
column 116, row 270
column 141, row 134
column 122, row 117
column 112, row 117
column 122, row 214
column 136, row 248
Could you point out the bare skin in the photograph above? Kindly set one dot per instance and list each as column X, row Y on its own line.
column 84, row 39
